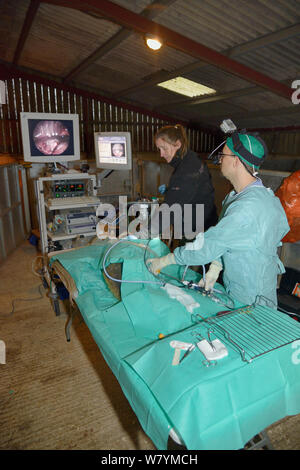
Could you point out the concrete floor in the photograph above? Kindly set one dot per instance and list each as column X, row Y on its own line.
column 54, row 394
column 60, row 395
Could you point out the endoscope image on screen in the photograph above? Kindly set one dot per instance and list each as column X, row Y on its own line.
column 112, row 149
column 118, row 150
column 51, row 137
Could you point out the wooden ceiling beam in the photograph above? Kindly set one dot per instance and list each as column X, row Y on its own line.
column 293, row 109
column 248, row 46
column 30, row 15
column 150, row 12
column 142, row 25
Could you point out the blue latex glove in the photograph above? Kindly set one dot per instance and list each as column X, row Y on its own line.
column 162, row 188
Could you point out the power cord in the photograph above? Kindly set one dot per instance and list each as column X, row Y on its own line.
column 3, row 316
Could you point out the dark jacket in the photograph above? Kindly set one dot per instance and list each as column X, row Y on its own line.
column 191, row 183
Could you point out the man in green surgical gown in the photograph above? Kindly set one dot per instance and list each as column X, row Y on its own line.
column 251, row 226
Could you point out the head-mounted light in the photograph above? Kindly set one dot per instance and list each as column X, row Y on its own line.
column 234, row 141
column 227, row 126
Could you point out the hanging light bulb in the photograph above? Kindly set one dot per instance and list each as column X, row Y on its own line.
column 153, row 42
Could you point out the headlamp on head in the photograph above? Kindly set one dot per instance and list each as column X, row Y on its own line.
column 227, row 126
column 248, row 147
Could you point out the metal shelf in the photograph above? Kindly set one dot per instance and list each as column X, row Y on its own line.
column 67, row 236
column 44, row 207
column 53, row 207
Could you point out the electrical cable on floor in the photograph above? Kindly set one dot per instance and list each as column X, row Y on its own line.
column 3, row 316
column 39, row 272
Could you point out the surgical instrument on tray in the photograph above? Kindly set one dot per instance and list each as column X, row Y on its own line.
column 253, row 330
column 209, row 340
column 187, row 352
column 194, row 286
column 200, row 337
column 206, row 362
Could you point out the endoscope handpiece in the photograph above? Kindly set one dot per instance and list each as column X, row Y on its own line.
column 195, row 286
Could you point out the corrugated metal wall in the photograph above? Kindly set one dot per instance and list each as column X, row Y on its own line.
column 97, row 114
column 94, row 115
column 284, row 142
column 12, row 219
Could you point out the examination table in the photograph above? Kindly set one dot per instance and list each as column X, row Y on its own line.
column 209, row 405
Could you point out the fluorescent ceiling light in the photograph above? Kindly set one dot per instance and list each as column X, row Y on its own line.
column 186, row 87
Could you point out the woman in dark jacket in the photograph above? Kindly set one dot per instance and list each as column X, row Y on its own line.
column 190, row 182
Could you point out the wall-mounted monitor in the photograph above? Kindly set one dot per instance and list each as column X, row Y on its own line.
column 50, row 137
column 113, row 150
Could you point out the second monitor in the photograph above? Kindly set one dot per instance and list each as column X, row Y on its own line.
column 113, row 150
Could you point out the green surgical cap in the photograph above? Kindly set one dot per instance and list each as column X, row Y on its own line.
column 253, row 146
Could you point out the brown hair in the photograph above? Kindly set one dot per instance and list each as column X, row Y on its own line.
column 171, row 134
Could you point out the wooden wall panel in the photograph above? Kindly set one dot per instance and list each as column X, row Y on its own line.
column 94, row 115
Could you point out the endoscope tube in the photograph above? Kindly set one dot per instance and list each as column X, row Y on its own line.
column 159, row 282
column 124, row 280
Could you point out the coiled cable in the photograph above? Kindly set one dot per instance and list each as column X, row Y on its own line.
column 126, row 280
column 159, row 282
